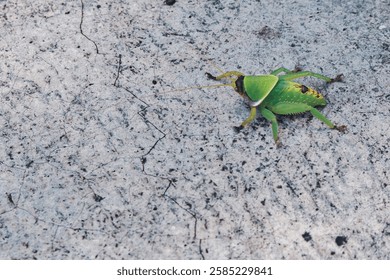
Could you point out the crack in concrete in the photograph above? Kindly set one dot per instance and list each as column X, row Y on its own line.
column 140, row 113
column 178, row 204
column 143, row 161
column 200, row 249
column 119, row 69
column 143, row 158
column 81, row 27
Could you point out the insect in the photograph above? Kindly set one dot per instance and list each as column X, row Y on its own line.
column 278, row 94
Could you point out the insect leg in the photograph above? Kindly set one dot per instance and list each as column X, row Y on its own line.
column 293, row 76
column 251, row 117
column 280, row 70
column 321, row 117
column 272, row 118
column 296, row 108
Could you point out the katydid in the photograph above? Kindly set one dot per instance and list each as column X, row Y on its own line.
column 278, row 94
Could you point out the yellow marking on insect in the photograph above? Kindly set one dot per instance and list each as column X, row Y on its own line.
column 308, row 91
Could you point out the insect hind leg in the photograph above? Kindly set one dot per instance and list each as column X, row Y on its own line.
column 280, row 70
column 285, row 70
column 296, row 108
column 293, row 76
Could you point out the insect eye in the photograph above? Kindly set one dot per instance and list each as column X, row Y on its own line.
column 240, row 85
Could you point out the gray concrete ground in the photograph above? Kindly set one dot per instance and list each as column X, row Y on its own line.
column 103, row 158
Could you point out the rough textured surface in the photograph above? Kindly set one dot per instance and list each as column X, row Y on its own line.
column 101, row 159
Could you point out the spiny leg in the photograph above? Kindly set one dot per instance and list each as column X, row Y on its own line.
column 321, row 117
column 272, row 118
column 293, row 76
column 280, row 70
column 296, row 108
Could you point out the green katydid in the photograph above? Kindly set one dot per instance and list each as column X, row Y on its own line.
column 278, row 94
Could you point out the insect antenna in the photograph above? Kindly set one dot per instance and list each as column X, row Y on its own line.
column 231, row 84
column 199, row 87
column 216, row 67
column 222, row 72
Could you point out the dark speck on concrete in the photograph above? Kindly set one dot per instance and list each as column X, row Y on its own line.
column 307, row 236
column 170, row 2
column 341, row 240
column 97, row 197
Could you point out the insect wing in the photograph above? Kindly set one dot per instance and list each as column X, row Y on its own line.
column 258, row 87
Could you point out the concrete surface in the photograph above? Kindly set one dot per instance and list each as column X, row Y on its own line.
column 102, row 159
